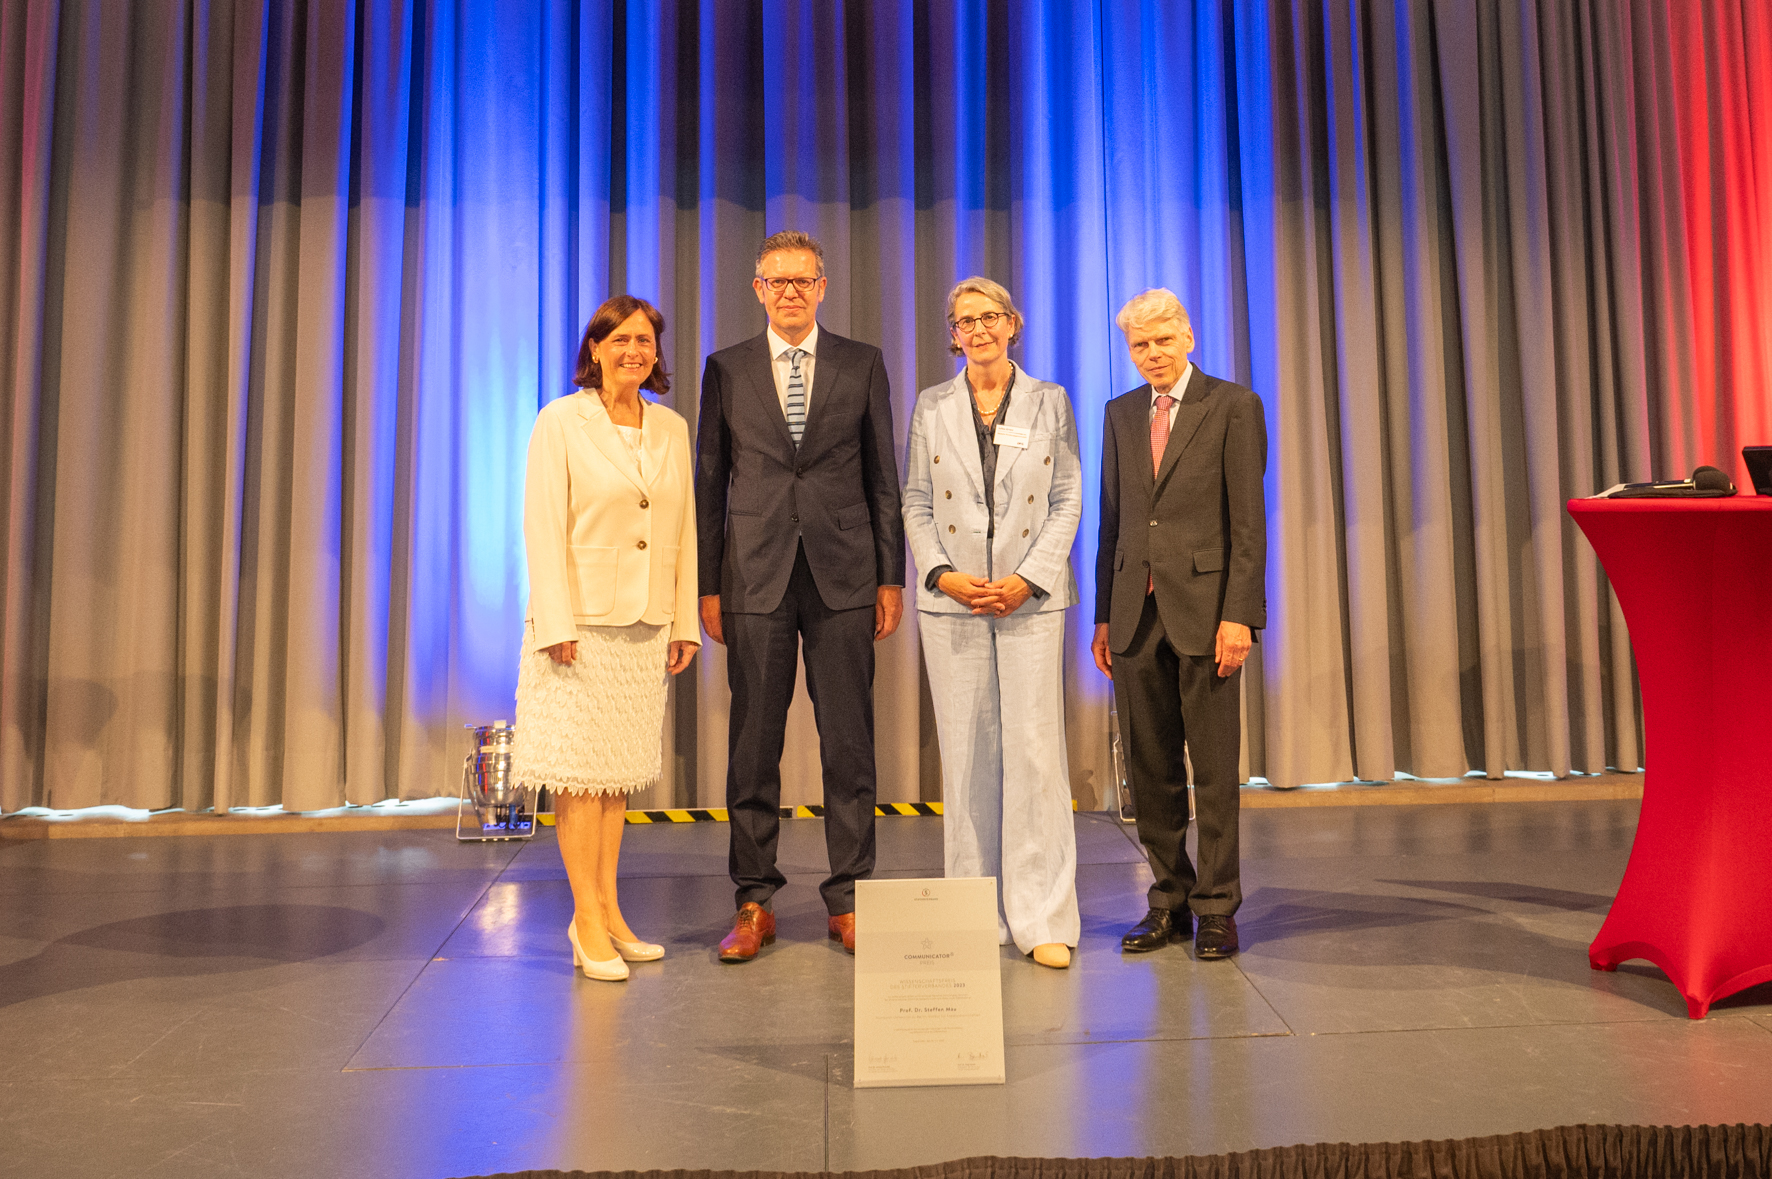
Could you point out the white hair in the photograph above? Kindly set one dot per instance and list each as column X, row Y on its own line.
column 1157, row 305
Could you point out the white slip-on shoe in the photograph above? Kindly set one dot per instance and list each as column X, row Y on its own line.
column 637, row 951
column 610, row 970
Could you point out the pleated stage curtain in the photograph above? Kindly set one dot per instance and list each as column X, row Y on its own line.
column 283, row 285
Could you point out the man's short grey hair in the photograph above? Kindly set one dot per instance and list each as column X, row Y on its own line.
column 1157, row 305
column 997, row 293
column 790, row 239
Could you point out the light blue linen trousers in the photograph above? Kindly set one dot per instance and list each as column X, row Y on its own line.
column 998, row 689
column 998, row 683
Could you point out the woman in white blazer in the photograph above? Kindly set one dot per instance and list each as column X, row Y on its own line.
column 993, row 493
column 609, row 530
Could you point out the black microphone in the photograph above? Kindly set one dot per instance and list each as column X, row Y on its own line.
column 1712, row 479
column 1706, row 483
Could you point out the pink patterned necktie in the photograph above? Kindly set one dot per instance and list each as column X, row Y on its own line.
column 1160, row 431
column 1159, row 440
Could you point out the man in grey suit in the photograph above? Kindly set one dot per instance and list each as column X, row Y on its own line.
column 1180, row 591
column 801, row 544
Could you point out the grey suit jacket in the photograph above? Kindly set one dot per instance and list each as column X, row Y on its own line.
column 757, row 496
column 1197, row 528
column 1038, row 493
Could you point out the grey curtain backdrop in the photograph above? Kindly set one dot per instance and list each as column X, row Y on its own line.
column 284, row 284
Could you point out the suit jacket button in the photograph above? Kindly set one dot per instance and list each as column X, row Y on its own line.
column 1030, row 499
column 645, row 503
column 950, row 527
column 799, row 472
column 1153, row 523
column 938, row 458
column 1049, row 460
column 794, row 519
column 948, row 494
column 1024, row 532
column 641, row 545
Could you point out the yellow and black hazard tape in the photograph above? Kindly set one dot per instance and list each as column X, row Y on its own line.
column 718, row 814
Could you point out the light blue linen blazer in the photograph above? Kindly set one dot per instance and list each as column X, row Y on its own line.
column 1038, row 493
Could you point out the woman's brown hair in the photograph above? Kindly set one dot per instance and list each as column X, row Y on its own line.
column 615, row 311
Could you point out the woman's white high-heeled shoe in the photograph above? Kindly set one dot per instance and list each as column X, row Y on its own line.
column 610, row 970
column 637, row 951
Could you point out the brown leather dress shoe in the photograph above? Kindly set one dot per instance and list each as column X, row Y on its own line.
column 842, row 928
column 752, row 929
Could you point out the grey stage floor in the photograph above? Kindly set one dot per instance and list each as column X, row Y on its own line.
column 366, row 1004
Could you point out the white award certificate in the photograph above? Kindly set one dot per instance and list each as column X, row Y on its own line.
column 928, row 983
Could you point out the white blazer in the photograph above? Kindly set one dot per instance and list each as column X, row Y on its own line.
column 1038, row 492
column 607, row 546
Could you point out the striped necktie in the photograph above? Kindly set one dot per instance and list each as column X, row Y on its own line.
column 796, row 395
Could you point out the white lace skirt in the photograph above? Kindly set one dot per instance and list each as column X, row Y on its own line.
column 596, row 725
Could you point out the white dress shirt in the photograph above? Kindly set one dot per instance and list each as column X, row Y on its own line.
column 1187, row 374
column 778, row 357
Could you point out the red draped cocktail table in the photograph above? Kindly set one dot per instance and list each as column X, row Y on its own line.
column 1694, row 578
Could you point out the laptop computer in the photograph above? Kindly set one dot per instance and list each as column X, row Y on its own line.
column 1759, row 467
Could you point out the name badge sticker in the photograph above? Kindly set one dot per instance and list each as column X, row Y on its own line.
column 1014, row 436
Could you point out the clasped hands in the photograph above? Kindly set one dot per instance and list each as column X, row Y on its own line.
column 997, row 598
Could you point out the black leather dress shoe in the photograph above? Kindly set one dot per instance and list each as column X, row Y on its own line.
column 1217, row 937
column 1158, row 929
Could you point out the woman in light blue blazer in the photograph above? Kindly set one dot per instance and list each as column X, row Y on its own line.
column 993, row 492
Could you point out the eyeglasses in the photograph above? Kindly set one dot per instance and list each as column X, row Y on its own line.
column 988, row 321
column 803, row 285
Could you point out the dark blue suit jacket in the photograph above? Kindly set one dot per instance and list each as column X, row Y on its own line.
column 757, row 496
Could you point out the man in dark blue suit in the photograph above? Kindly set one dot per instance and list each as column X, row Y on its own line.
column 801, row 542
column 1179, row 594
